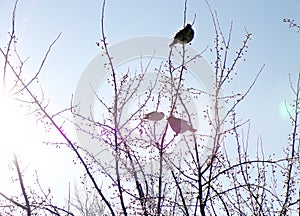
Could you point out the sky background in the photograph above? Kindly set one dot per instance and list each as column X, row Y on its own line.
column 274, row 44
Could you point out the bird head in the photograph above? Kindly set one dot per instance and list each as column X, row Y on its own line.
column 188, row 26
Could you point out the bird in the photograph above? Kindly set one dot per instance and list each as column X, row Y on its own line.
column 184, row 36
column 180, row 126
column 154, row 116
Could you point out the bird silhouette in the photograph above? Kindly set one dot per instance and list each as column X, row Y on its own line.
column 180, row 126
column 154, row 116
column 184, row 36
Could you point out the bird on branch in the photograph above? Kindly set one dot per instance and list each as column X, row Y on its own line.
column 180, row 126
column 154, row 116
column 184, row 36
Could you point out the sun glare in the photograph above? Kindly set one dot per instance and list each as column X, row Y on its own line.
column 19, row 134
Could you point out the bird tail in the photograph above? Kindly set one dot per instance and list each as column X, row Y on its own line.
column 173, row 43
column 192, row 130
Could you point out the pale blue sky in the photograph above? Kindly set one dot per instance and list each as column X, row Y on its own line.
column 273, row 44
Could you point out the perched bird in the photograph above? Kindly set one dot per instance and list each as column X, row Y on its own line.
column 154, row 116
column 180, row 126
column 184, row 36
